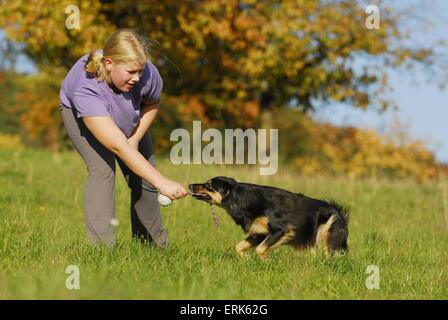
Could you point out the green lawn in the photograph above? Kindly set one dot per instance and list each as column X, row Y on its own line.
column 401, row 227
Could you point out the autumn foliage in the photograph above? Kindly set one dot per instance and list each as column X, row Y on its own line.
column 233, row 63
column 359, row 153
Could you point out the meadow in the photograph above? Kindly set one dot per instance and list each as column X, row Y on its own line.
column 400, row 227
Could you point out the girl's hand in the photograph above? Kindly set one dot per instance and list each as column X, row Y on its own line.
column 172, row 189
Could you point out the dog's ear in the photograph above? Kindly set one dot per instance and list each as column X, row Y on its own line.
column 224, row 185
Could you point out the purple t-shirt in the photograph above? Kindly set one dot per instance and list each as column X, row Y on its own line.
column 88, row 97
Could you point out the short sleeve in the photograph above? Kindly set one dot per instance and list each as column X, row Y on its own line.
column 154, row 84
column 89, row 103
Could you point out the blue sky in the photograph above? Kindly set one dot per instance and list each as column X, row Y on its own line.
column 422, row 106
column 422, row 110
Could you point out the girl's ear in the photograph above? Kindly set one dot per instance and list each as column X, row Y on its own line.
column 108, row 64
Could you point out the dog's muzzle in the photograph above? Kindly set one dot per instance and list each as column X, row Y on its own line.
column 199, row 192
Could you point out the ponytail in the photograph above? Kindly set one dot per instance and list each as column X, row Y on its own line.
column 94, row 65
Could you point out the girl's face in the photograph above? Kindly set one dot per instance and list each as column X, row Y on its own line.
column 123, row 77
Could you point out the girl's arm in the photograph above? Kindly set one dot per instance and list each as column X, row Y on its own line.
column 109, row 135
column 148, row 113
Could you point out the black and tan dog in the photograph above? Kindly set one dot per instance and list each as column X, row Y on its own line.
column 271, row 216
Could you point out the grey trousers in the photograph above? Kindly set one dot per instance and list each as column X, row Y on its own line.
column 99, row 192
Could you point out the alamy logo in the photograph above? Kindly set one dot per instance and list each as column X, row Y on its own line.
column 72, row 21
column 72, row 281
column 373, row 20
column 257, row 147
column 373, row 280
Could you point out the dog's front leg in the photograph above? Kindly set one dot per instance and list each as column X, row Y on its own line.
column 251, row 241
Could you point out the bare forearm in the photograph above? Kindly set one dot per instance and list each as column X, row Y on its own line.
column 139, row 165
column 110, row 136
column 146, row 119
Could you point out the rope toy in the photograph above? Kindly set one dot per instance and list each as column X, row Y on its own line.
column 215, row 217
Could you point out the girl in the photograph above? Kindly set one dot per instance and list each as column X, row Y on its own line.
column 109, row 99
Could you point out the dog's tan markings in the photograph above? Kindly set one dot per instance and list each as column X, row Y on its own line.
column 263, row 250
column 243, row 246
column 259, row 226
column 323, row 232
column 289, row 234
column 216, row 197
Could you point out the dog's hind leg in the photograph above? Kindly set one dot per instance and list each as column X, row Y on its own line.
column 251, row 241
column 274, row 240
column 322, row 235
column 332, row 236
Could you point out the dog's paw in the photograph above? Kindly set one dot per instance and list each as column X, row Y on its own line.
column 262, row 253
column 242, row 255
column 241, row 248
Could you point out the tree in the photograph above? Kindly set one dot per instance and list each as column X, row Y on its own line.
column 270, row 53
column 232, row 58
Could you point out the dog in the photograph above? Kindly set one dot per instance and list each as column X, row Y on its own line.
column 272, row 217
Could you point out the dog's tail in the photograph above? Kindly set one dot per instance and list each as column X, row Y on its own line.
column 332, row 235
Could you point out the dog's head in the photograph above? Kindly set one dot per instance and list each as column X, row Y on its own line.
column 214, row 191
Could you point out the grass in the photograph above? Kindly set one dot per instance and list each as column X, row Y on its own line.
column 401, row 227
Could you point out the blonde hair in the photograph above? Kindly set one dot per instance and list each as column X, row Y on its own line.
column 122, row 46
